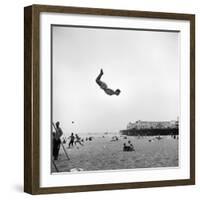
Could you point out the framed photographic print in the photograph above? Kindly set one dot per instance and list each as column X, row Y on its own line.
column 109, row 99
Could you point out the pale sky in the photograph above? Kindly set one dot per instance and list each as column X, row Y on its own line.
column 144, row 65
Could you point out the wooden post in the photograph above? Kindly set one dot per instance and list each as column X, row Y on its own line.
column 54, row 164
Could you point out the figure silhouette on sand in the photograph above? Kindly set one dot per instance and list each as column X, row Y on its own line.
column 56, row 140
column 104, row 86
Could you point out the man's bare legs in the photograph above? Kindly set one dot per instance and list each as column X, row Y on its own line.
column 98, row 79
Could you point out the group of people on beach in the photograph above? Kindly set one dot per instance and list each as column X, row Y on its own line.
column 128, row 147
column 56, row 140
column 74, row 139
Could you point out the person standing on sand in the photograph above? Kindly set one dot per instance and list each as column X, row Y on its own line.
column 57, row 140
column 71, row 142
column 56, row 146
column 104, row 87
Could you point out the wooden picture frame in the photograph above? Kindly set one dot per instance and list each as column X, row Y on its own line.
column 32, row 106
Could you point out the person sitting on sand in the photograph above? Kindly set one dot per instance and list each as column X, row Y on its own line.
column 90, row 138
column 125, row 147
column 71, row 142
column 131, row 148
column 114, row 139
column 128, row 147
column 78, row 140
column 104, row 86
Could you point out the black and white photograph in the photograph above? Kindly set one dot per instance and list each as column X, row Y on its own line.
column 115, row 96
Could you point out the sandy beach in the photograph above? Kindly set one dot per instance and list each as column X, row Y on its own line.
column 103, row 154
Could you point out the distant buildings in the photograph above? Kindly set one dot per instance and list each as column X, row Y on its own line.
column 152, row 124
column 151, row 128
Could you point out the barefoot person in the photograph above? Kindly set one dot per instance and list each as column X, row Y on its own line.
column 104, row 87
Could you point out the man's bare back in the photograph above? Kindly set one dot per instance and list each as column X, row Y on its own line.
column 104, row 86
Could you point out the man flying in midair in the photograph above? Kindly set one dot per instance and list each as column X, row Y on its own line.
column 104, row 87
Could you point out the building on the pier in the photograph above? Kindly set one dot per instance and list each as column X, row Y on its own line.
column 152, row 128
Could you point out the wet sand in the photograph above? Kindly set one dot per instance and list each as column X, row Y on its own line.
column 103, row 154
